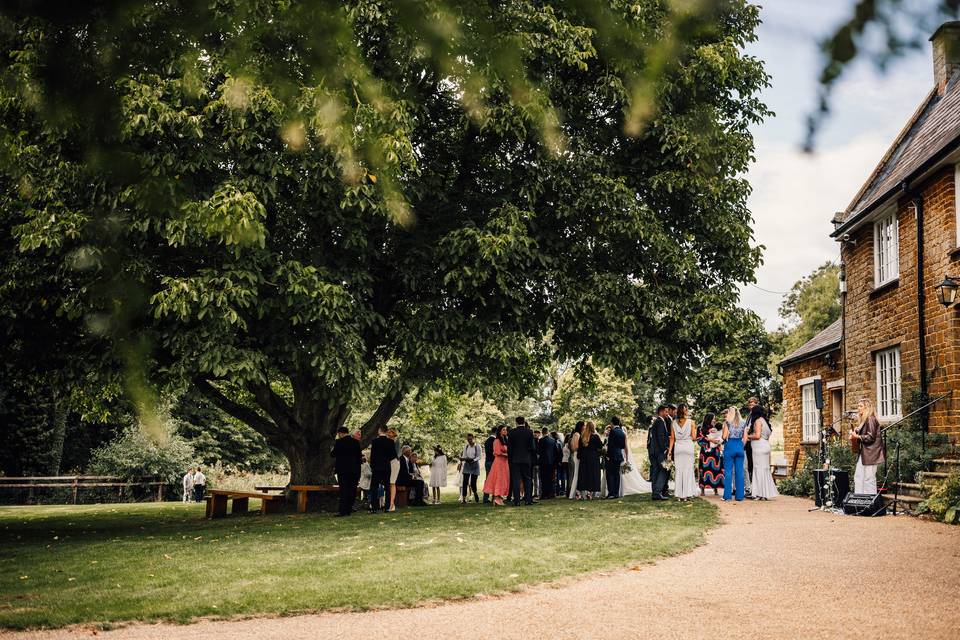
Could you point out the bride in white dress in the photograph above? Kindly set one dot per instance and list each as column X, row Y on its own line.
column 632, row 483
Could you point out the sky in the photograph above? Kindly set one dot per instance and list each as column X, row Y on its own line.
column 796, row 194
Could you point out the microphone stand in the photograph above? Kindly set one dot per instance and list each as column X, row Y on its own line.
column 828, row 503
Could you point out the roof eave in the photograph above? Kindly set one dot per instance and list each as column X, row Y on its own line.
column 813, row 354
column 903, row 187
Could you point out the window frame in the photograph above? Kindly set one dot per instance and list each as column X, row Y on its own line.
column 810, row 431
column 889, row 402
column 886, row 250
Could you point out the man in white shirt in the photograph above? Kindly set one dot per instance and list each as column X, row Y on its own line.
column 199, row 485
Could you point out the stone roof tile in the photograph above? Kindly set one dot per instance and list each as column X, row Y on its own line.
column 826, row 339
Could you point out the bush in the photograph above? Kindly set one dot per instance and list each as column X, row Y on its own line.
column 944, row 500
column 800, row 484
column 135, row 454
column 913, row 458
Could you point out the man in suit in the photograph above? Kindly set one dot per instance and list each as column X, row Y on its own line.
column 547, row 458
column 382, row 451
column 616, row 443
column 521, row 452
column 346, row 461
column 408, row 477
column 658, row 444
column 488, row 457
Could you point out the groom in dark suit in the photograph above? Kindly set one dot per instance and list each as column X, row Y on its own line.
column 521, row 452
column 547, row 458
column 616, row 443
column 658, row 443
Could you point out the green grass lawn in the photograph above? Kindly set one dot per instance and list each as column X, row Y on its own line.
column 107, row 563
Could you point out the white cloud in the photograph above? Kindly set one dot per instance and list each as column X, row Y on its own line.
column 794, row 197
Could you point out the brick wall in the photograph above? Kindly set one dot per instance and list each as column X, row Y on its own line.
column 792, row 410
column 885, row 317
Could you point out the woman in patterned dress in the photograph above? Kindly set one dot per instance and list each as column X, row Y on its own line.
column 711, row 460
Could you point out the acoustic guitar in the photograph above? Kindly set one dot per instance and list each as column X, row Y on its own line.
column 855, row 442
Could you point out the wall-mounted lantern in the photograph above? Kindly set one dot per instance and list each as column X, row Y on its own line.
column 947, row 290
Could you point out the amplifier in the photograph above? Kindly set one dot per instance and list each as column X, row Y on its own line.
column 864, row 504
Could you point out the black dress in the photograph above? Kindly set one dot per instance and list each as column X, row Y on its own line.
column 588, row 465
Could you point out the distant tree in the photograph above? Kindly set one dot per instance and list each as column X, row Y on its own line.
column 811, row 306
column 736, row 370
column 598, row 399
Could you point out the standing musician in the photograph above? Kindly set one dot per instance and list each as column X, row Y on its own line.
column 866, row 443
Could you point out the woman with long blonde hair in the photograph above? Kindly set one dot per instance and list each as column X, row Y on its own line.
column 734, row 438
column 866, row 435
column 394, row 469
column 588, row 463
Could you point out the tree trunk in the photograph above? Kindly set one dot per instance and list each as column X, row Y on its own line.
column 310, row 460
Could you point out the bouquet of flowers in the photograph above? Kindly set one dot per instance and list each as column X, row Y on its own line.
column 667, row 464
column 625, row 467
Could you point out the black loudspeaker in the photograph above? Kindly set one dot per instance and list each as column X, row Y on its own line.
column 864, row 504
column 841, row 486
column 818, row 393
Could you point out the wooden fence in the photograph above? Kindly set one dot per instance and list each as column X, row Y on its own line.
column 76, row 483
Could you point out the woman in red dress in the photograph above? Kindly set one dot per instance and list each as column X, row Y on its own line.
column 497, row 482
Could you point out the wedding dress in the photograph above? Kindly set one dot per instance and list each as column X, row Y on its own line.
column 633, row 483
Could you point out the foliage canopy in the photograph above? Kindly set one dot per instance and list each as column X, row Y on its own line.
column 277, row 202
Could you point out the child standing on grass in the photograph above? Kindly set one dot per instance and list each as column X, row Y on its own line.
column 438, row 474
column 366, row 474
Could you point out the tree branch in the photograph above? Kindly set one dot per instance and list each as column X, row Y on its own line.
column 248, row 416
column 275, row 406
column 388, row 406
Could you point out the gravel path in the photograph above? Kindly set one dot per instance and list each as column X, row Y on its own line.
column 772, row 571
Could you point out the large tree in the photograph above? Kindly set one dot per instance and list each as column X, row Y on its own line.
column 397, row 215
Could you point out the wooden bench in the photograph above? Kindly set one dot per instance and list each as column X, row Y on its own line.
column 268, row 488
column 304, row 491
column 217, row 502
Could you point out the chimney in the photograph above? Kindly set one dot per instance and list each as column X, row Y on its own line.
column 946, row 53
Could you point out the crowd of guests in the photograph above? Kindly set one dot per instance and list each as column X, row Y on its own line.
column 524, row 465
column 734, row 453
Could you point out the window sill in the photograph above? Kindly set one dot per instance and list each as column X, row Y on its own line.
column 884, row 288
column 808, row 443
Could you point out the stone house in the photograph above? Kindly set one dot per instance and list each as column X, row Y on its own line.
column 899, row 239
column 820, row 359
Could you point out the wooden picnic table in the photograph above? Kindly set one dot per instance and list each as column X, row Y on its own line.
column 217, row 502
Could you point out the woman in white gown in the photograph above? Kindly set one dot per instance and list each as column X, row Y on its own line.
column 573, row 442
column 632, row 483
column 762, row 485
column 681, row 443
